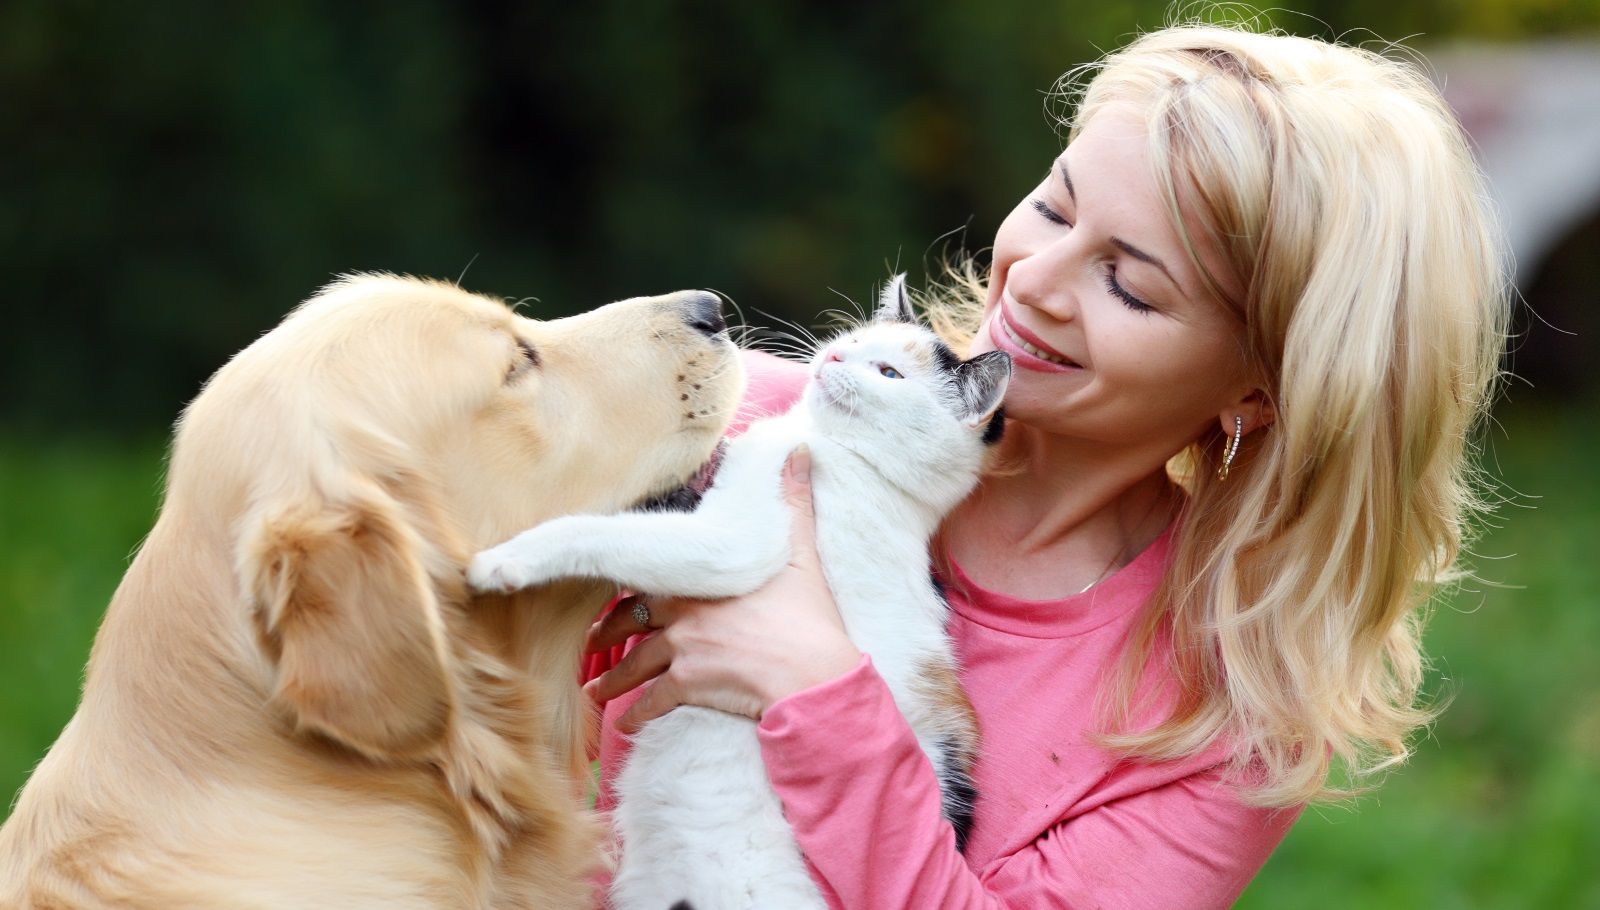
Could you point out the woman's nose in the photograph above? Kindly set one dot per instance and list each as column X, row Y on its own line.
column 1043, row 281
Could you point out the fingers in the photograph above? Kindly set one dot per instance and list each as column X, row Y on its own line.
column 644, row 668
column 797, row 480
column 654, row 700
column 797, row 492
column 644, row 662
column 622, row 622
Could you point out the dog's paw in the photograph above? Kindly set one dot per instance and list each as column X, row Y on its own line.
column 500, row 570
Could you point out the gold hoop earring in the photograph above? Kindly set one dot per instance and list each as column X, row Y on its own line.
column 1233, row 448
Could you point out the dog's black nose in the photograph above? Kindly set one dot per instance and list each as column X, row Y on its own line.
column 703, row 311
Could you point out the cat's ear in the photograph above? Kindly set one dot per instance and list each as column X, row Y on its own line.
column 982, row 381
column 894, row 304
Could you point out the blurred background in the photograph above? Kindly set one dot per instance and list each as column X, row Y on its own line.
column 175, row 175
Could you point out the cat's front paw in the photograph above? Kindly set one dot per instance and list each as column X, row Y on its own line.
column 501, row 570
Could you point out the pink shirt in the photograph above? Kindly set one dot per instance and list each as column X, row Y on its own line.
column 1059, row 822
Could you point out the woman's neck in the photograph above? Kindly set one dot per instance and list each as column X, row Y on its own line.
column 1060, row 516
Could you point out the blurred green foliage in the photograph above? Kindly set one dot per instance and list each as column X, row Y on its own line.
column 176, row 174
column 1500, row 808
column 71, row 516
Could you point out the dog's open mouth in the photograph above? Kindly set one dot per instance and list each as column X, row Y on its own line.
column 687, row 497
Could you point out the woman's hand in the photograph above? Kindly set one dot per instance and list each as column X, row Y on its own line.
column 739, row 655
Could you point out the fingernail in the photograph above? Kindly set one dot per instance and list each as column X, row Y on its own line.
column 801, row 459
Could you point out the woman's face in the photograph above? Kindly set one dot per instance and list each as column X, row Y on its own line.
column 1096, row 300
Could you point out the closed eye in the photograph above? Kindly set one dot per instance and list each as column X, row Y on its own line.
column 527, row 358
column 1050, row 214
column 1122, row 293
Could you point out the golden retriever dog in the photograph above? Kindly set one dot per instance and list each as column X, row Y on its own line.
column 293, row 701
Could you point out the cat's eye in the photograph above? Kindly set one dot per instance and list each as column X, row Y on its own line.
column 890, row 372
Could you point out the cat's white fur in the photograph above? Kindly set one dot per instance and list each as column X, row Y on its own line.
column 696, row 816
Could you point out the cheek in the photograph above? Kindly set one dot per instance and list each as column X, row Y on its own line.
column 1187, row 374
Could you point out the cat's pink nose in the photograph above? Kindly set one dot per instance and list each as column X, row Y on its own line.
column 832, row 356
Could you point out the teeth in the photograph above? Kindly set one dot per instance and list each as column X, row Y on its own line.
column 1033, row 350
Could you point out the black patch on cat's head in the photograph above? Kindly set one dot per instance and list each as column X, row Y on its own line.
column 982, row 382
column 894, row 304
column 681, row 905
column 996, row 428
column 947, row 359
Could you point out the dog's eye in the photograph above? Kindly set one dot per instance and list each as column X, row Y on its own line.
column 527, row 359
column 890, row 372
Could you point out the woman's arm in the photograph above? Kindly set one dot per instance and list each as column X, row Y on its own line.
column 865, row 807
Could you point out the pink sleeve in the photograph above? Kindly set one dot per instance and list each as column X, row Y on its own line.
column 864, row 805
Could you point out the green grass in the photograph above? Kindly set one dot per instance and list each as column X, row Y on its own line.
column 71, row 515
column 1500, row 807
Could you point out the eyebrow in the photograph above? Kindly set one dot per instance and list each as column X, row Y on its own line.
column 1142, row 256
column 1122, row 245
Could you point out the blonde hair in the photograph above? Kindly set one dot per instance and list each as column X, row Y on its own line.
column 1338, row 190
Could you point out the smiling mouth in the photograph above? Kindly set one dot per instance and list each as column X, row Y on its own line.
column 1030, row 347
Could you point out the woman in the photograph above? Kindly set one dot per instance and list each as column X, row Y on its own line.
column 1256, row 308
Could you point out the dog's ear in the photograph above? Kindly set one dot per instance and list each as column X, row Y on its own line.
column 346, row 608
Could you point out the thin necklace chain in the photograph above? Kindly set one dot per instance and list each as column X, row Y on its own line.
column 1111, row 564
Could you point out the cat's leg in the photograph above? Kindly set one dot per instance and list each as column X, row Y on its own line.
column 928, row 692
column 697, row 821
column 710, row 553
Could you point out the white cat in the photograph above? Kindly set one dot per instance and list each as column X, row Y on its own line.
column 898, row 427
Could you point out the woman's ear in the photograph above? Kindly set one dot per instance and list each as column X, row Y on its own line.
column 1254, row 409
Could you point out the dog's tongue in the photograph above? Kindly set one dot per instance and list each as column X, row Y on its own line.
column 708, row 471
column 686, row 497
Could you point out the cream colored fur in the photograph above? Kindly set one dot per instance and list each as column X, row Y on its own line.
column 292, row 701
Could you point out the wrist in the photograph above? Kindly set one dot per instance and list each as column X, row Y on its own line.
column 823, row 668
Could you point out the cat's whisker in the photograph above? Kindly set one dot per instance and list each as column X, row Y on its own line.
column 777, row 343
column 856, row 315
column 842, row 319
column 737, row 309
column 803, row 333
column 779, row 340
column 741, row 335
